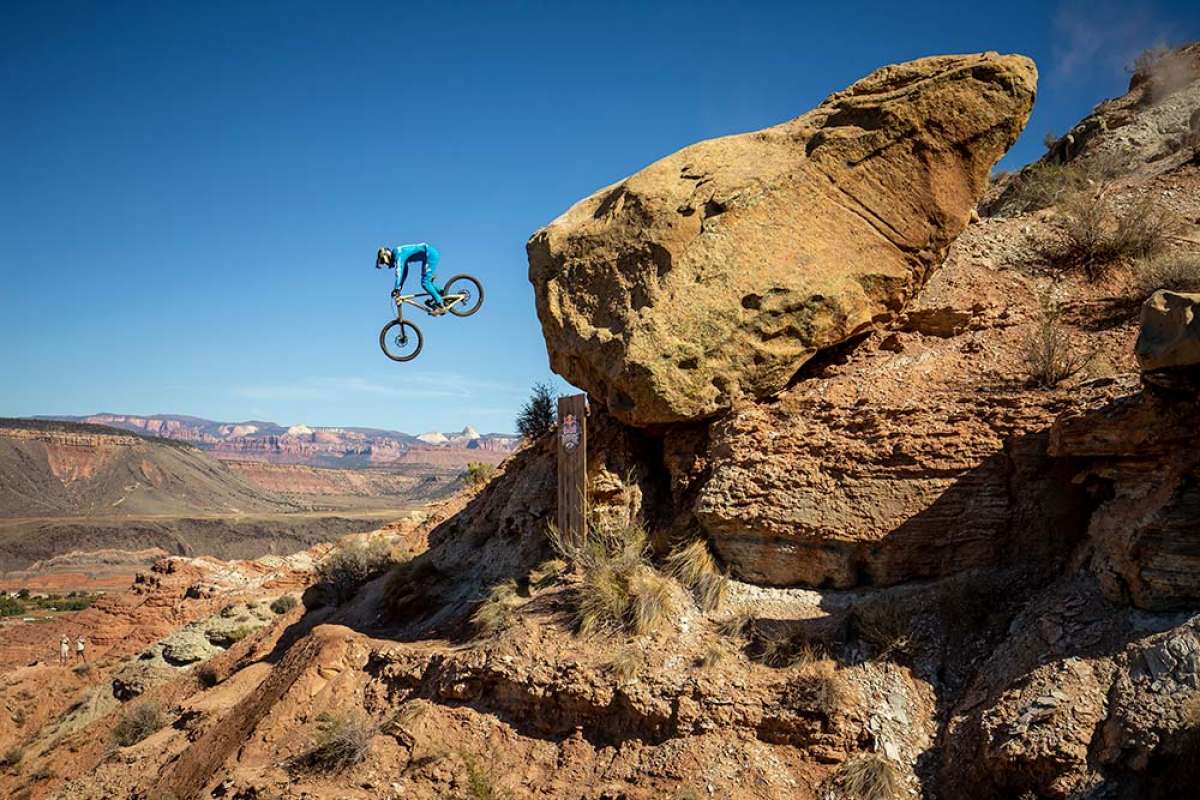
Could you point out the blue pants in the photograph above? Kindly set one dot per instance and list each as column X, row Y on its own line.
column 427, row 271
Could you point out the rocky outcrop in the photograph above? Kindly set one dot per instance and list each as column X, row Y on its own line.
column 715, row 273
column 1170, row 335
column 1141, row 449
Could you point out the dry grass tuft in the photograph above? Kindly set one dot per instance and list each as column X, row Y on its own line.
column 625, row 664
column 886, row 626
column 693, row 565
column 495, row 613
column 868, row 776
column 737, row 624
column 1178, row 272
column 342, row 741
column 776, row 648
column 546, row 573
column 1050, row 355
column 618, row 590
column 713, row 656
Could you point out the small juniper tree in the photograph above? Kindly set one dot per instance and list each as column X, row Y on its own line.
column 537, row 415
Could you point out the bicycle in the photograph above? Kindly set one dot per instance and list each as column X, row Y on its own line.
column 462, row 300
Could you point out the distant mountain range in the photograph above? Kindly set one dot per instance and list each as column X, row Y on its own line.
column 257, row 440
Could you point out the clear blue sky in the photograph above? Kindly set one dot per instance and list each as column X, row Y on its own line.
column 191, row 194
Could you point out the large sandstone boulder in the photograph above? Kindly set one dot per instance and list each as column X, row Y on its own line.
column 1170, row 335
column 716, row 272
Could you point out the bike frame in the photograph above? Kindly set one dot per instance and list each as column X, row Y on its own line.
column 411, row 300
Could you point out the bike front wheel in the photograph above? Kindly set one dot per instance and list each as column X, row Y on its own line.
column 401, row 340
column 464, row 295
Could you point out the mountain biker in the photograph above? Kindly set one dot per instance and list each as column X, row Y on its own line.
column 399, row 258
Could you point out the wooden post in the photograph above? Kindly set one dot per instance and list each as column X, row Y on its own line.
column 572, row 468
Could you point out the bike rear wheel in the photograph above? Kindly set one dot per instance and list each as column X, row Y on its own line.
column 472, row 295
column 401, row 340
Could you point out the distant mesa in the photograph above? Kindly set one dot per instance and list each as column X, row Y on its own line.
column 314, row 446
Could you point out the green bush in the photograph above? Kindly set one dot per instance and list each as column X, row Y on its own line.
column 10, row 607
column 284, row 603
column 537, row 415
column 138, row 723
column 478, row 474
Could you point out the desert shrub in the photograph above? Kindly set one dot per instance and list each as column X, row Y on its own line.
column 1049, row 354
column 1041, row 185
column 1178, row 272
column 478, row 474
column 479, row 783
column 1097, row 234
column 693, row 565
column 1049, row 140
column 536, row 418
column 74, row 603
column 207, row 676
column 81, row 669
column 1145, row 62
column 137, row 723
column 10, row 607
column 495, row 613
column 284, row 603
column 237, row 634
column 12, row 757
column 625, row 663
column 350, row 566
column 618, row 589
column 342, row 741
column 867, row 776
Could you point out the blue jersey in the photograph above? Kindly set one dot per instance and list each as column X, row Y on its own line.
column 422, row 252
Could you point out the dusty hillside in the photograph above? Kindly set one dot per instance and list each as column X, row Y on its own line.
column 68, row 488
column 57, row 469
column 953, row 554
